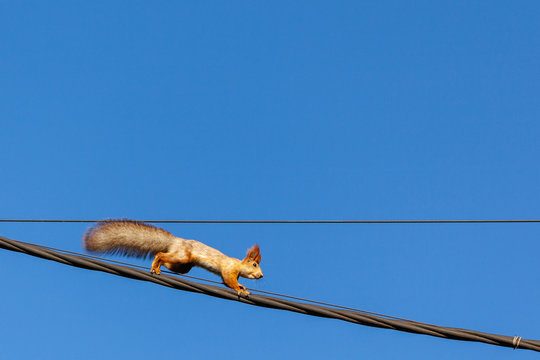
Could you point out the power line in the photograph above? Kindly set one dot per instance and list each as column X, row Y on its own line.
column 270, row 302
column 463, row 221
column 214, row 282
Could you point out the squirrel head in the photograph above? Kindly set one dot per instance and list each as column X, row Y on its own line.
column 250, row 265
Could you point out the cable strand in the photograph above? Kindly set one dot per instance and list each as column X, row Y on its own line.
column 268, row 301
column 216, row 282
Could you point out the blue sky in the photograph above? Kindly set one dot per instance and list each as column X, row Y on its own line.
column 274, row 110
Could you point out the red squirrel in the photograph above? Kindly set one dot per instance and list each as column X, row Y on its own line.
column 133, row 238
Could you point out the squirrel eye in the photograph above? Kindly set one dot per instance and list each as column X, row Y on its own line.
column 255, row 264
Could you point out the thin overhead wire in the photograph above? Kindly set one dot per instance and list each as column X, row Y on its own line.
column 463, row 221
column 271, row 302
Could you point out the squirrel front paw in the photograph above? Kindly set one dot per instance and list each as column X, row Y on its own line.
column 155, row 271
column 243, row 292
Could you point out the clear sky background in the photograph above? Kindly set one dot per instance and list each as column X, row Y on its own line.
column 273, row 110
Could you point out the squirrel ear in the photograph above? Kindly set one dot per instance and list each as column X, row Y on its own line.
column 254, row 254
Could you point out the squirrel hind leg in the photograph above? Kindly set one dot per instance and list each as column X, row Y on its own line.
column 156, row 264
column 172, row 262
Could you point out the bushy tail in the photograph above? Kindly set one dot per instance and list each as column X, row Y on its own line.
column 127, row 237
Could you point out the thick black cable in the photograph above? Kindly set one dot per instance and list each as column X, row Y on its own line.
column 271, row 302
column 488, row 221
column 214, row 282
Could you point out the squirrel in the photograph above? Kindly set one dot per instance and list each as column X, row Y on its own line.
column 138, row 239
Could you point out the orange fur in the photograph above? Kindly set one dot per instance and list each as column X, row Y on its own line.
column 176, row 254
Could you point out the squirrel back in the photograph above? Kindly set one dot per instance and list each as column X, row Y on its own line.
column 127, row 237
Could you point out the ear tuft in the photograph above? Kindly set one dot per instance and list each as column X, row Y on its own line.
column 254, row 254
